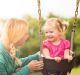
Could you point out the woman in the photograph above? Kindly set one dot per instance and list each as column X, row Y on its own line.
column 14, row 34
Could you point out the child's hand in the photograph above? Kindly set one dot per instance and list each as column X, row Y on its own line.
column 72, row 53
column 57, row 59
column 70, row 58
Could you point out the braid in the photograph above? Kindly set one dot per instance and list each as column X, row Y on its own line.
column 12, row 52
column 14, row 31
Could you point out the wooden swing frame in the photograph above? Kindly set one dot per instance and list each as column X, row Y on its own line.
column 51, row 66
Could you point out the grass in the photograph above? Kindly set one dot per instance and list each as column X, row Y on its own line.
column 75, row 71
column 37, row 73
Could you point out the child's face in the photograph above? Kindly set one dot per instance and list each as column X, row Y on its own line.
column 22, row 40
column 52, row 34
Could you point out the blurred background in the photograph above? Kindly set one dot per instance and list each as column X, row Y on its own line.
column 28, row 10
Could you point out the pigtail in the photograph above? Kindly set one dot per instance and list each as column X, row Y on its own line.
column 17, row 61
column 65, row 25
column 12, row 52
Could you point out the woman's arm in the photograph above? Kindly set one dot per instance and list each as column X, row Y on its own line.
column 26, row 60
column 23, row 71
column 34, row 65
column 2, row 69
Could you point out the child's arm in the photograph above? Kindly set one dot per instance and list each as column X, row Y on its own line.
column 67, row 55
column 46, row 54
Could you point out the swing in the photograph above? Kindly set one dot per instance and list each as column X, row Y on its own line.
column 51, row 66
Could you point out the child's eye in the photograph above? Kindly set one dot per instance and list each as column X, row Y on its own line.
column 46, row 32
column 51, row 32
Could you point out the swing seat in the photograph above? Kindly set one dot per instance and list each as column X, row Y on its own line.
column 51, row 66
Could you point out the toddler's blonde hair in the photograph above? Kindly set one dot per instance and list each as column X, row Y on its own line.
column 56, row 23
column 60, row 25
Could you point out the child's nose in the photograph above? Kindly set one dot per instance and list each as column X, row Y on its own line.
column 48, row 34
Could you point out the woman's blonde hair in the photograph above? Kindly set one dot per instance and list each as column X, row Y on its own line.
column 14, row 30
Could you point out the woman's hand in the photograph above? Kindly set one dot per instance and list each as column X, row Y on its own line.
column 35, row 65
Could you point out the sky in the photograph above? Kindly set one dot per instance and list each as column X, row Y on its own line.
column 19, row 8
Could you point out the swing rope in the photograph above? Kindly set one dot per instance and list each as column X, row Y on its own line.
column 73, row 28
column 40, row 33
column 69, row 65
column 74, row 24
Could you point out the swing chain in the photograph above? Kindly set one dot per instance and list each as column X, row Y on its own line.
column 73, row 29
column 74, row 24
column 40, row 33
column 76, row 13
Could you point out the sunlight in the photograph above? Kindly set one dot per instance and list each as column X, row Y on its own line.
column 19, row 8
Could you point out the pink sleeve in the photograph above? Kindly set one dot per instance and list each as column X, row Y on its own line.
column 45, row 44
column 67, row 44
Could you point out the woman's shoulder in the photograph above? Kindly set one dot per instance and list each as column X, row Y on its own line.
column 2, row 59
column 2, row 53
